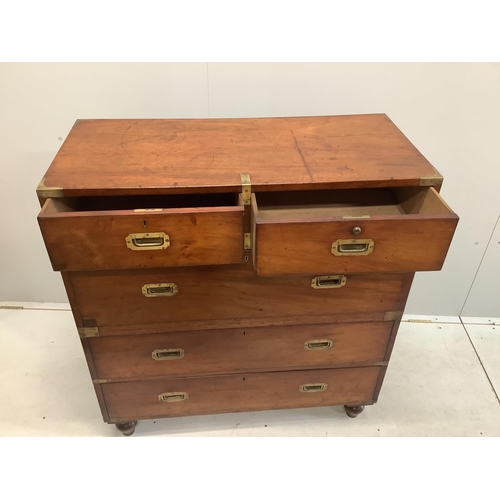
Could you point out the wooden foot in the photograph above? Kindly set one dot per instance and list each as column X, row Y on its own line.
column 353, row 411
column 127, row 428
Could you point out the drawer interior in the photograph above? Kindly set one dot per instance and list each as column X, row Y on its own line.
column 347, row 203
column 138, row 203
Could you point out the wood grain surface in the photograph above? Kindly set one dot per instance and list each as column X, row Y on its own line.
column 242, row 325
column 245, row 392
column 117, row 157
column 97, row 239
column 226, row 296
column 408, row 245
column 240, row 350
column 296, row 236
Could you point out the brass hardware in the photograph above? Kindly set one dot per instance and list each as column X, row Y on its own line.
column 173, row 397
column 393, row 315
column 349, row 217
column 166, row 354
column 352, row 247
column 356, row 230
column 44, row 191
column 160, row 289
column 147, row 241
column 313, row 387
column 435, row 180
column 85, row 332
column 419, row 321
column 247, row 245
column 101, row 380
column 335, row 281
column 315, row 345
column 246, row 188
column 148, row 209
column 11, row 307
column 430, row 181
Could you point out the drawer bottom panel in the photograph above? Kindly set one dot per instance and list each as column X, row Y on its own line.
column 245, row 392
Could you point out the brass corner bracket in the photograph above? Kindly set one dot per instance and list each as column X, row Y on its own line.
column 247, row 241
column 246, row 188
column 44, row 191
column 435, row 180
column 85, row 332
column 393, row 315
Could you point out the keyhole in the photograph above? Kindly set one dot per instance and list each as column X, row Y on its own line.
column 144, row 223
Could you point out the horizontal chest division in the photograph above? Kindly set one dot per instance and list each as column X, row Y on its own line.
column 213, row 297
column 240, row 265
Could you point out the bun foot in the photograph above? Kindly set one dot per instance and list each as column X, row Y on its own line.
column 127, row 428
column 353, row 411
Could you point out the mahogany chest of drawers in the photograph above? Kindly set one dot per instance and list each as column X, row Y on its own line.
column 222, row 265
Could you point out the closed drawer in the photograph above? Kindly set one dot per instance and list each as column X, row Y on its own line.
column 246, row 392
column 139, row 232
column 352, row 230
column 240, row 350
column 214, row 297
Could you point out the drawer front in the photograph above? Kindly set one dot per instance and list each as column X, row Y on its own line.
column 226, row 297
column 245, row 392
column 122, row 239
column 240, row 350
column 307, row 239
column 397, row 247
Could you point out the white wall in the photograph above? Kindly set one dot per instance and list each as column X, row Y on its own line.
column 449, row 111
column 38, row 105
column 484, row 296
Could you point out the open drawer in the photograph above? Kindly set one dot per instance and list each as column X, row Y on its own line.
column 142, row 231
column 353, row 230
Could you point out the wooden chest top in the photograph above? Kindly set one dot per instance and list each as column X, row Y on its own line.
column 122, row 157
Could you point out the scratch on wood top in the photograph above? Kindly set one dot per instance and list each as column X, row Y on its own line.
column 302, row 156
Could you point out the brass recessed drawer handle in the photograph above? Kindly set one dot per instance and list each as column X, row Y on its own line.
column 160, row 289
column 147, row 241
column 314, row 345
column 352, row 247
column 336, row 281
column 166, row 354
column 173, row 397
column 313, row 387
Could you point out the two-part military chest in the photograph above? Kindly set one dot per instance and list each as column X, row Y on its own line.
column 222, row 265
